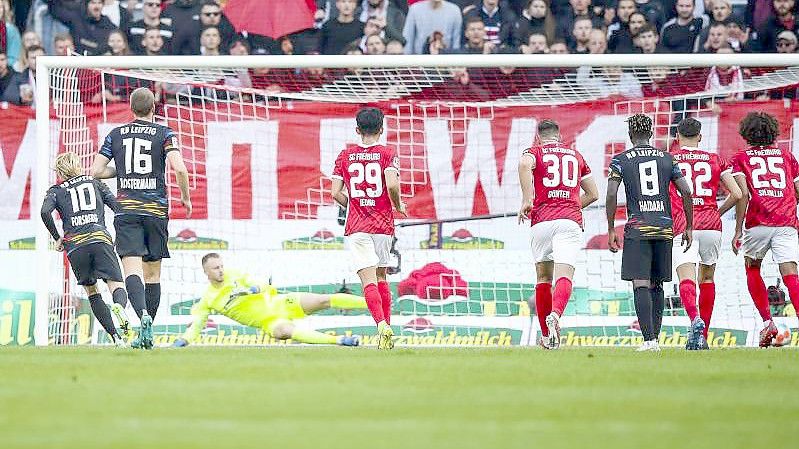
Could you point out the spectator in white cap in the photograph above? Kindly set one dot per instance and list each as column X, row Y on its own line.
column 786, row 42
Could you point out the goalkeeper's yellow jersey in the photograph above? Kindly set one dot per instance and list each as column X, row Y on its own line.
column 250, row 310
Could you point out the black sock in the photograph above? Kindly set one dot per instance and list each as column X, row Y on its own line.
column 120, row 297
column 136, row 294
column 152, row 295
column 658, row 306
column 103, row 314
column 643, row 308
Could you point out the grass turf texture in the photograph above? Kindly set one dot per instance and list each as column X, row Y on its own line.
column 411, row 398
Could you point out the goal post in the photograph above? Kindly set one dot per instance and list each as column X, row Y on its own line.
column 458, row 123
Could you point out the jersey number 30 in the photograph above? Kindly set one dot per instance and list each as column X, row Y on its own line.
column 137, row 156
column 561, row 170
column 365, row 172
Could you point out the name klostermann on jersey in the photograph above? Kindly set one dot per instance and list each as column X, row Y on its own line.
column 137, row 183
column 651, row 206
column 84, row 219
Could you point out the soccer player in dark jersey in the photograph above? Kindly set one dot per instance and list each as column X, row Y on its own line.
column 551, row 176
column 81, row 201
column 769, row 179
column 370, row 173
column 646, row 260
column 140, row 150
column 705, row 172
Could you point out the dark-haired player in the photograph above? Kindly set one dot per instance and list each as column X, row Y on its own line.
column 551, row 175
column 370, row 173
column 769, row 179
column 81, row 201
column 704, row 172
column 646, row 260
column 140, row 150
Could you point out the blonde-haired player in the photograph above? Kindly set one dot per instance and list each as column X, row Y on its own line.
column 81, row 201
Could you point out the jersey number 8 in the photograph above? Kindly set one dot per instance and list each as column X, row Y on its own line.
column 137, row 156
column 365, row 172
column 561, row 170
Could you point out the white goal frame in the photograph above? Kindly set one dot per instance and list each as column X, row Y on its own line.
column 45, row 65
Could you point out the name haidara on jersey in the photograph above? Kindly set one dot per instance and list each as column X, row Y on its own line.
column 651, row 206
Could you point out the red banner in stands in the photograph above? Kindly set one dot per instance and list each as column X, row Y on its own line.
column 259, row 163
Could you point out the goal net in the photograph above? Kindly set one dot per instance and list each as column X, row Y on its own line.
column 260, row 135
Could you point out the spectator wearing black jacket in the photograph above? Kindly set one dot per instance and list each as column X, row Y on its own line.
column 579, row 8
column 390, row 18
column 341, row 31
column 11, row 82
column 211, row 16
column 784, row 18
column 152, row 19
column 535, row 18
column 680, row 33
column 620, row 40
column 498, row 19
column 88, row 26
column 654, row 11
column 185, row 16
column 476, row 41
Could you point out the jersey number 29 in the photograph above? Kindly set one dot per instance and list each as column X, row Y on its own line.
column 137, row 156
column 370, row 173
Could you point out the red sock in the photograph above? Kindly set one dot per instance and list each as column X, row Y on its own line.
column 707, row 297
column 374, row 302
column 543, row 305
column 792, row 283
column 561, row 295
column 385, row 296
column 688, row 297
column 757, row 289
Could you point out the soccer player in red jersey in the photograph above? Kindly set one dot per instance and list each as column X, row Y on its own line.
column 705, row 172
column 551, row 176
column 370, row 173
column 769, row 179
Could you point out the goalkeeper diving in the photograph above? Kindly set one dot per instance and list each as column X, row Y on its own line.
column 236, row 296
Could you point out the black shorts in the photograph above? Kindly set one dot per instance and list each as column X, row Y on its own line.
column 646, row 260
column 142, row 235
column 95, row 261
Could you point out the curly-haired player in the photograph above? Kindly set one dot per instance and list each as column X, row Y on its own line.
column 769, row 180
column 646, row 260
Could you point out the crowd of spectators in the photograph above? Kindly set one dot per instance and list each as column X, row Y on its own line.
column 372, row 27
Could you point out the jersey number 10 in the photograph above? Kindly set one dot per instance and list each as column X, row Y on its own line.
column 365, row 172
column 137, row 156
column 83, row 198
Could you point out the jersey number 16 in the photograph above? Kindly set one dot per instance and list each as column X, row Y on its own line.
column 137, row 156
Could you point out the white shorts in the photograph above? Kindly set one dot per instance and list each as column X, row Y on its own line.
column 369, row 250
column 556, row 241
column 782, row 241
column 704, row 250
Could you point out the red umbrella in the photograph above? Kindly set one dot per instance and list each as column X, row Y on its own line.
column 273, row 18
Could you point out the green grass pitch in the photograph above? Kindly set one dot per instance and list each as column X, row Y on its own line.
column 310, row 397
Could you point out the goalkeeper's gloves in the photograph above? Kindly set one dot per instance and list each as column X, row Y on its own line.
column 241, row 291
column 180, row 343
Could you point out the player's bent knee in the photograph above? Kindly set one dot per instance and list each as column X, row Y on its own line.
column 282, row 331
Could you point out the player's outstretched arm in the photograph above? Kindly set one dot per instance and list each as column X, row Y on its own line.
column 740, row 210
column 393, row 186
column 610, row 211
column 526, row 166
column 199, row 313
column 735, row 193
column 182, row 175
column 590, row 192
column 47, row 217
column 100, row 168
column 688, row 207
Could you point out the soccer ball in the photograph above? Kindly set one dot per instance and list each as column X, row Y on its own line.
column 783, row 336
